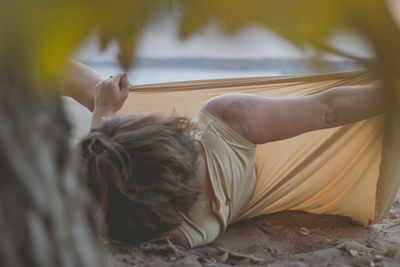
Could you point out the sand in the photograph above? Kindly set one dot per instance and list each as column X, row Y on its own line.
column 285, row 239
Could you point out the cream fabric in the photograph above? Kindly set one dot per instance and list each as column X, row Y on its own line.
column 350, row 170
column 231, row 165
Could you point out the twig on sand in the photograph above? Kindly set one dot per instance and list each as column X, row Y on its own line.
column 172, row 246
column 152, row 246
column 238, row 255
column 385, row 228
column 391, row 226
column 264, row 229
column 373, row 239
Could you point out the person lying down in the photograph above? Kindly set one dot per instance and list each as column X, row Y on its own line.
column 158, row 174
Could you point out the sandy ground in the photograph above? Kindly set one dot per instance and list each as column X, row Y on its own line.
column 279, row 240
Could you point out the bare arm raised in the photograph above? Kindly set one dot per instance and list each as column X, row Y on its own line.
column 262, row 119
column 80, row 82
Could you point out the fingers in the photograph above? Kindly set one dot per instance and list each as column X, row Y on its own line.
column 116, row 79
column 121, row 81
column 124, row 82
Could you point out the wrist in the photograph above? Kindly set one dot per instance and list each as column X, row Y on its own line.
column 98, row 115
column 102, row 112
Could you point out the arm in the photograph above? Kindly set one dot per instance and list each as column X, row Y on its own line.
column 179, row 238
column 261, row 119
column 80, row 82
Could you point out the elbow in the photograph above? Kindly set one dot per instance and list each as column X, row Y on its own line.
column 338, row 111
column 179, row 238
column 330, row 117
column 331, row 112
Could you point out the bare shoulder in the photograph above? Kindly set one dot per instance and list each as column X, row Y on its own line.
column 232, row 109
column 226, row 108
column 214, row 105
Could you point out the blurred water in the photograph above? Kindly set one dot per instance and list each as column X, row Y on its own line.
column 148, row 71
column 145, row 75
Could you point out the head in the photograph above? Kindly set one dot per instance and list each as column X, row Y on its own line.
column 142, row 170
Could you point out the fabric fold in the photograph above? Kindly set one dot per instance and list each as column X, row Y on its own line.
column 350, row 170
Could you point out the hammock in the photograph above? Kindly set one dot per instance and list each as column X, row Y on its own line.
column 349, row 170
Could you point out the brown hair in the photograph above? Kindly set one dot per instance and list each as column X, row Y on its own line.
column 142, row 170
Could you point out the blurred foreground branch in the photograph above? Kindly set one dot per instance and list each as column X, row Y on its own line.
column 46, row 218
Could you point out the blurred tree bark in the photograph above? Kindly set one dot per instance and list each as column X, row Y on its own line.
column 46, row 218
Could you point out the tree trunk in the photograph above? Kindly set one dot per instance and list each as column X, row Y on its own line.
column 46, row 217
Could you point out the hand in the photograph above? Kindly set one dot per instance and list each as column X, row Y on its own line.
column 110, row 96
